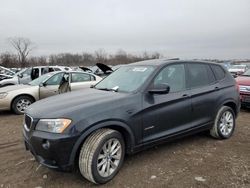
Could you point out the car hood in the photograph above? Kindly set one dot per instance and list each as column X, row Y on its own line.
column 105, row 68
column 83, row 101
column 15, row 87
column 243, row 80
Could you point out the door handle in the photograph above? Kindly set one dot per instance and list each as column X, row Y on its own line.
column 216, row 88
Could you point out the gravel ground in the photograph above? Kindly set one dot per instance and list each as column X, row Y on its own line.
column 195, row 161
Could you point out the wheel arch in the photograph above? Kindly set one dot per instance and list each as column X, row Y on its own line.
column 232, row 105
column 24, row 94
column 115, row 125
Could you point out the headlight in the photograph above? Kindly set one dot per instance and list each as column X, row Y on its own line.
column 3, row 95
column 53, row 125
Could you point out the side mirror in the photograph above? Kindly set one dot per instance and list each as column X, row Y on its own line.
column 160, row 89
column 43, row 84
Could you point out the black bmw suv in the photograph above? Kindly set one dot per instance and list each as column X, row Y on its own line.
column 137, row 106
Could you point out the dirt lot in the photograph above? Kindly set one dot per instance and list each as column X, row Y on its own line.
column 196, row 161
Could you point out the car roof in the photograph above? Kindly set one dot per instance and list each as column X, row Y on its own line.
column 51, row 66
column 70, row 71
column 162, row 62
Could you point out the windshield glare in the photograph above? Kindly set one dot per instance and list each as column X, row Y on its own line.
column 126, row 79
column 39, row 80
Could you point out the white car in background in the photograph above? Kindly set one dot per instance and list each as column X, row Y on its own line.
column 18, row 97
column 236, row 70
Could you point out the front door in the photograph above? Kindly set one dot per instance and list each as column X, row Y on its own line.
column 166, row 114
column 51, row 86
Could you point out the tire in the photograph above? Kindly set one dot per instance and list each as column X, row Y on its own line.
column 92, row 149
column 20, row 104
column 224, row 123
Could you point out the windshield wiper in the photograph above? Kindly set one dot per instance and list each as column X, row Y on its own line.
column 108, row 89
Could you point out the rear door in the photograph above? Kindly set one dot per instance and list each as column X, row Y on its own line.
column 81, row 80
column 204, row 91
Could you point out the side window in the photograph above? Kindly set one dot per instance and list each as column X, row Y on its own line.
column 27, row 72
column 55, row 79
column 45, row 70
column 218, row 71
column 199, row 75
column 174, row 76
column 79, row 77
column 92, row 78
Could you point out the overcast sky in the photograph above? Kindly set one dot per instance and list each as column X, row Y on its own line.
column 175, row 28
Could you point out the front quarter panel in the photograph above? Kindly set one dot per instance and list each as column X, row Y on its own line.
column 122, row 114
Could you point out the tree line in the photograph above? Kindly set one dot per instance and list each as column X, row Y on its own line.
column 24, row 46
column 79, row 59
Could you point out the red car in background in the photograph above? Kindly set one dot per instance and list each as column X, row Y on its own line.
column 244, row 86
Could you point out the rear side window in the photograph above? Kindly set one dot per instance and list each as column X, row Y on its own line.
column 218, row 72
column 199, row 75
column 80, row 77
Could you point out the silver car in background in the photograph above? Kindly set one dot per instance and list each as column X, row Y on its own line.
column 18, row 97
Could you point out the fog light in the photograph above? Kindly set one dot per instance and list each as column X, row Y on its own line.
column 46, row 144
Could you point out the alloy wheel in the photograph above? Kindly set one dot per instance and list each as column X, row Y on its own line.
column 109, row 157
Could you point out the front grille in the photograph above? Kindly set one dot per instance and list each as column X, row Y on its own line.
column 245, row 88
column 28, row 122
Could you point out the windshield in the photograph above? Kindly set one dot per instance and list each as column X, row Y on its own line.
column 247, row 73
column 40, row 80
column 126, row 79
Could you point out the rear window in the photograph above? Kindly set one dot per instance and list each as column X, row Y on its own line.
column 218, row 72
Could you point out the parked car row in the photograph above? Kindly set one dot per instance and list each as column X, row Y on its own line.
column 135, row 107
column 27, row 74
column 18, row 97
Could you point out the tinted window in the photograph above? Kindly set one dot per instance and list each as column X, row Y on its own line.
column 55, row 80
column 45, row 70
column 199, row 75
column 34, row 73
column 79, row 77
column 174, row 76
column 51, row 69
column 218, row 71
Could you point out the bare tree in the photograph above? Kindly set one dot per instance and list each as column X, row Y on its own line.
column 101, row 56
column 23, row 47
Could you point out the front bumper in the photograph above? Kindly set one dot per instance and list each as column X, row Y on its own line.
column 49, row 149
column 5, row 103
